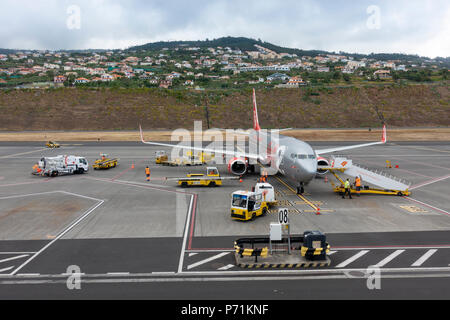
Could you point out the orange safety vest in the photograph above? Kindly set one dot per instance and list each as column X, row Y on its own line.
column 147, row 170
column 358, row 182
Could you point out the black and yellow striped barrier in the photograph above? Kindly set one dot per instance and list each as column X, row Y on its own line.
column 305, row 251
column 257, row 252
column 312, row 264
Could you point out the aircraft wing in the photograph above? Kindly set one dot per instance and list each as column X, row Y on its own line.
column 226, row 152
column 383, row 141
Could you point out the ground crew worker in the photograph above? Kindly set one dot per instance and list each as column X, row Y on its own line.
column 147, row 173
column 347, row 190
column 358, row 185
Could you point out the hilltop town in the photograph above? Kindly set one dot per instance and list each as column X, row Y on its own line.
column 182, row 65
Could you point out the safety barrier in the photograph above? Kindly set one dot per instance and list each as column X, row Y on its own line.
column 311, row 264
column 305, row 251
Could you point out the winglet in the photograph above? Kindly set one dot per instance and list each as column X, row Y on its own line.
column 256, row 126
column 384, row 137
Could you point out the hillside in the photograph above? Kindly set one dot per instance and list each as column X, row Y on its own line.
column 123, row 109
column 248, row 44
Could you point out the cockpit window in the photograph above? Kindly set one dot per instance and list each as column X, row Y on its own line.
column 302, row 156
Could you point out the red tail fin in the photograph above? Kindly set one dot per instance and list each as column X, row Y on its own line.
column 256, row 126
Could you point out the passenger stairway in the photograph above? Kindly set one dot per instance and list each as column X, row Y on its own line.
column 375, row 177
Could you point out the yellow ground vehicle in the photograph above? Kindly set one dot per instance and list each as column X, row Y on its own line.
column 105, row 162
column 202, row 157
column 247, row 205
column 212, row 179
column 51, row 144
column 366, row 189
column 161, row 157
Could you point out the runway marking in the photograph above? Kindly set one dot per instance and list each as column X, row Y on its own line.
column 118, row 273
column 14, row 258
column 22, row 153
column 226, row 267
column 163, row 272
column 194, row 210
column 60, row 235
column 186, row 229
column 27, row 253
column 352, row 259
column 6, row 269
column 126, row 170
column 217, row 256
column 424, row 258
column 389, row 258
column 429, row 182
column 331, row 252
column 24, row 183
column 226, row 276
column 298, row 195
column 192, row 254
column 427, row 205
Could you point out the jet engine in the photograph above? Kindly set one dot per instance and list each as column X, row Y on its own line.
column 237, row 166
column 322, row 162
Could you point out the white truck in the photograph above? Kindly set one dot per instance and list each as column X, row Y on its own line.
column 60, row 165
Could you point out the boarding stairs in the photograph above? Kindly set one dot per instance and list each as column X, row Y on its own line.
column 375, row 177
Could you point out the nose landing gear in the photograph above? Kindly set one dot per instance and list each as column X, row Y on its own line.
column 300, row 189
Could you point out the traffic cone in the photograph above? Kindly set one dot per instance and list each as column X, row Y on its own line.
column 240, row 179
column 396, row 166
column 318, row 211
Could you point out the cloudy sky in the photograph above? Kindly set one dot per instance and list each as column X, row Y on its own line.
column 415, row 26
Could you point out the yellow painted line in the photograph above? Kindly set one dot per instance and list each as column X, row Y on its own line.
column 298, row 195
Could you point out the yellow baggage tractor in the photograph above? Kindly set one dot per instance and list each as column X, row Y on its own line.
column 212, row 179
column 105, row 162
column 52, row 145
column 161, row 157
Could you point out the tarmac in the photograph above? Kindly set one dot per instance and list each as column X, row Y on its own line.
column 117, row 227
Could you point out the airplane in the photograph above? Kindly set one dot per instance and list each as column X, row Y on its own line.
column 293, row 158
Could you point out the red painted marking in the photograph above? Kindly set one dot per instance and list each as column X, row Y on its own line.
column 125, row 171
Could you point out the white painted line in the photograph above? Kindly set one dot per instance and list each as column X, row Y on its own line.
column 60, row 235
column 192, row 254
column 118, row 273
column 217, row 256
column 14, row 258
column 424, row 258
column 389, row 258
column 352, row 258
column 226, row 267
column 331, row 252
column 6, row 269
column 28, row 274
column 163, row 272
column 186, row 230
column 27, row 195
column 429, row 182
column 17, row 252
column 428, row 205
column 19, row 154
column 79, row 195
